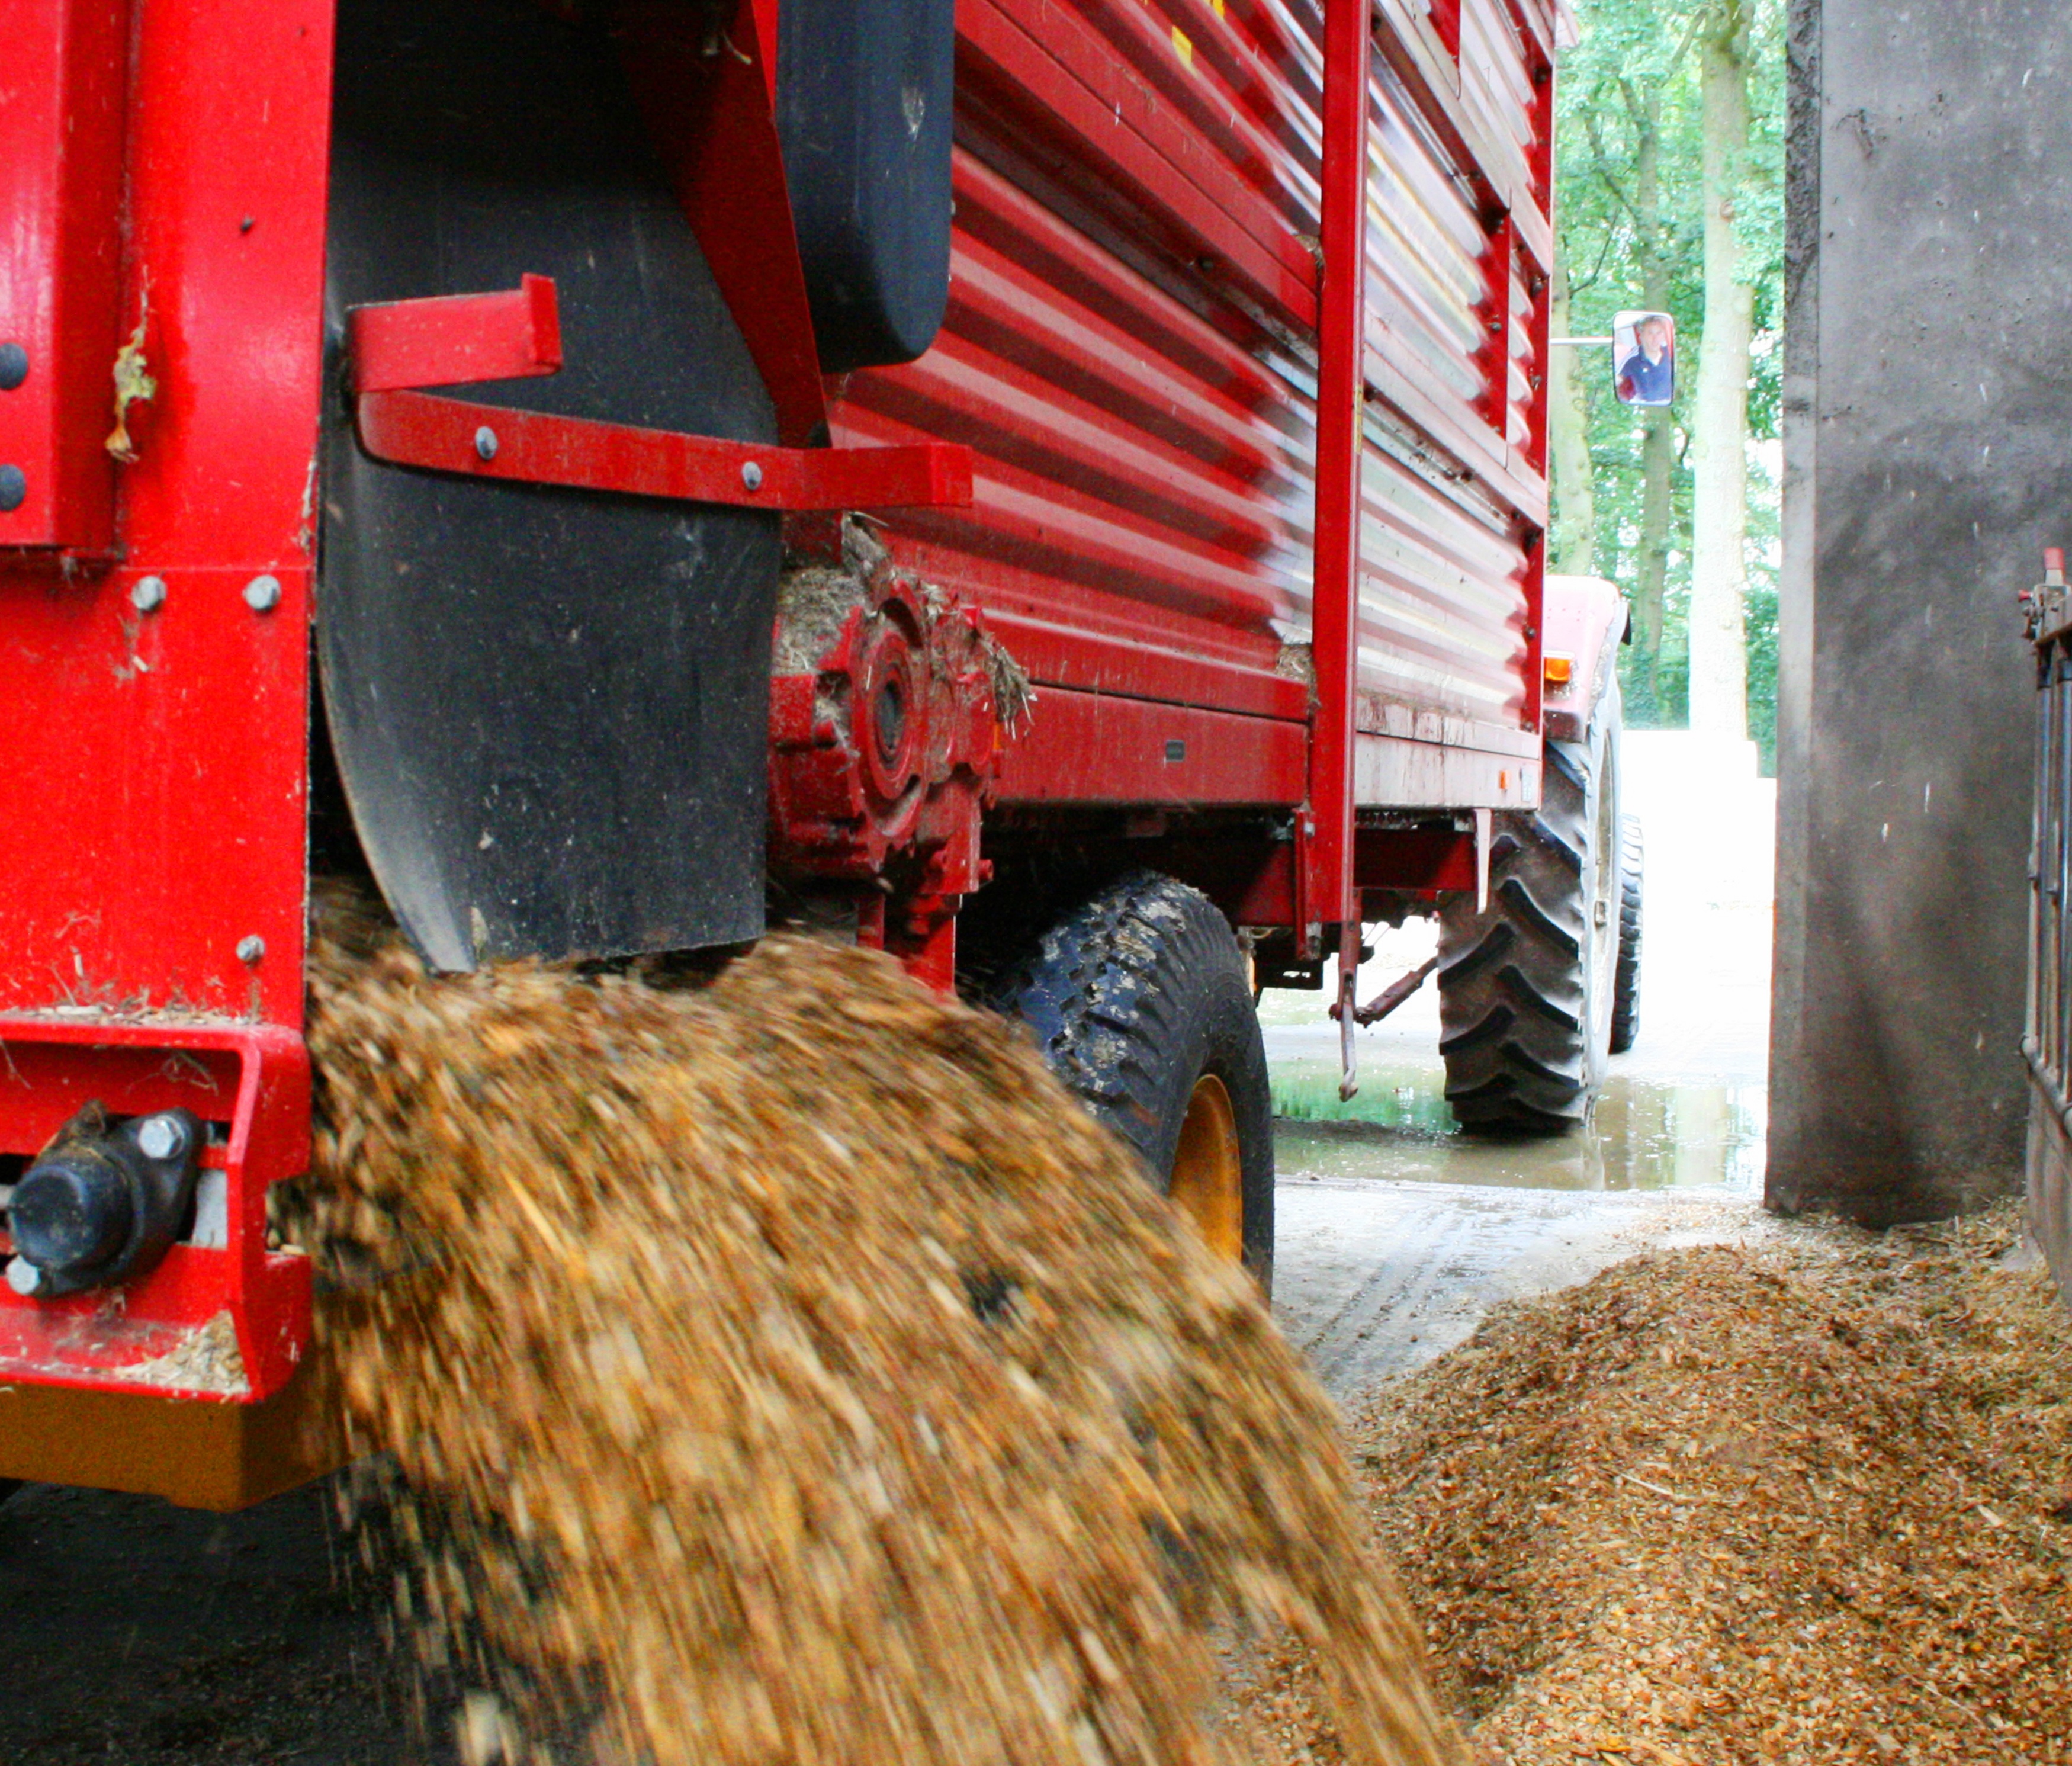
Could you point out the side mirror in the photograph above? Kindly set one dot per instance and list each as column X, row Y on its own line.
column 1644, row 359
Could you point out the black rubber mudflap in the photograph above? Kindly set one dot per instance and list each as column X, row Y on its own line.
column 549, row 707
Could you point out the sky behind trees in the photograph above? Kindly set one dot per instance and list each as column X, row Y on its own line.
column 1681, row 505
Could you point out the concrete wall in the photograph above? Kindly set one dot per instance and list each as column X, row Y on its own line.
column 1928, row 456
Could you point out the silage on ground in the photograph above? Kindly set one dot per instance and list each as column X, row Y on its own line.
column 803, row 1377
column 1716, row 1508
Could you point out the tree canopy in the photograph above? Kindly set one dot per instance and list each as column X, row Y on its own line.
column 1630, row 201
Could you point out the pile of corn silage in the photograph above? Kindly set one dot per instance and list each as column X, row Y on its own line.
column 1724, row 1507
column 801, row 1377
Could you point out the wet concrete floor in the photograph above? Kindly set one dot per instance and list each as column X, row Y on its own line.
column 1396, row 1232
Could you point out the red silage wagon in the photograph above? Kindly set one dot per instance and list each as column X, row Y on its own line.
column 1055, row 489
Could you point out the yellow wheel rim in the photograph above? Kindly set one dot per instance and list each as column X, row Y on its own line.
column 1208, row 1175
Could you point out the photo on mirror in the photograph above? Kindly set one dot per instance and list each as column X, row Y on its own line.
column 1644, row 347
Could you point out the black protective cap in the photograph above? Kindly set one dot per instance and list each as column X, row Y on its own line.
column 71, row 1213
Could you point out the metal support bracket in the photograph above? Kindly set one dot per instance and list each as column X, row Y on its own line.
column 401, row 347
column 1346, row 1009
column 251, row 1082
column 1391, row 996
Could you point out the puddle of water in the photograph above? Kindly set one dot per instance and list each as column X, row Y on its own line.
column 1646, row 1133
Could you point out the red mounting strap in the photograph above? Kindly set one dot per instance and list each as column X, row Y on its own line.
column 489, row 440
column 452, row 339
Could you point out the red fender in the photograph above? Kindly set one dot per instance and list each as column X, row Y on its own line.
column 1585, row 619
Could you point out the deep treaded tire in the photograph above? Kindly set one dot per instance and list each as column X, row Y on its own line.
column 1626, row 982
column 1525, row 990
column 1136, row 998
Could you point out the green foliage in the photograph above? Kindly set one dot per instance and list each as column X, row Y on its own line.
column 1631, row 81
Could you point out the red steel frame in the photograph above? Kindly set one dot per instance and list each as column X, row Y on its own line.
column 151, row 937
column 1327, row 877
column 166, row 178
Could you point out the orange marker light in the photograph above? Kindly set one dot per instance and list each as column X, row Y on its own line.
column 1559, row 670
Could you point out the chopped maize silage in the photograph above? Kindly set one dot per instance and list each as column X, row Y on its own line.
column 803, row 1377
column 1731, row 1507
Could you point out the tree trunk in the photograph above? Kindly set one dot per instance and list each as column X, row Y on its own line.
column 1657, row 452
column 1657, row 462
column 1719, row 656
column 1575, row 549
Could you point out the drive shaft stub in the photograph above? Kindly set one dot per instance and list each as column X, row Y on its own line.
column 103, row 1202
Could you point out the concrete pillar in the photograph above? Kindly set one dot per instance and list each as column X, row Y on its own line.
column 1928, row 460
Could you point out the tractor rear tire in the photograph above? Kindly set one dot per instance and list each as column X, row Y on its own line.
column 1626, row 982
column 1140, row 1001
column 1525, row 989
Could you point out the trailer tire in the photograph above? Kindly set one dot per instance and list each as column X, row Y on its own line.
column 1626, row 982
column 1139, row 1000
column 1525, row 989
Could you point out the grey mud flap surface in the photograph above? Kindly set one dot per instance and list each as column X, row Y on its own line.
column 549, row 707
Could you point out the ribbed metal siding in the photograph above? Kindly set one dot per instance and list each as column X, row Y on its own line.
column 1129, row 348
column 1497, row 94
column 1143, row 477
column 1442, row 588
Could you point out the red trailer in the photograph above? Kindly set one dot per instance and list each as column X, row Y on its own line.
column 1055, row 488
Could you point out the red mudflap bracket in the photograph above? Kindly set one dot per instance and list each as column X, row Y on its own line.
column 221, row 1318
column 452, row 339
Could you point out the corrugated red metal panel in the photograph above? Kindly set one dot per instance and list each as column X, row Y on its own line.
column 1496, row 92
column 1504, row 162
column 1037, row 77
column 1448, row 565
column 1442, row 591
column 1144, row 478
column 1130, row 348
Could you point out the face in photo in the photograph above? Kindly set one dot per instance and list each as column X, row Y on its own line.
column 1644, row 348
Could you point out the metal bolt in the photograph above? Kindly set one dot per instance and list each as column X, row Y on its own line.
column 485, row 442
column 262, row 593
column 23, row 1277
column 161, row 1137
column 251, row 948
column 14, row 366
column 149, row 593
column 13, row 488
column 751, row 475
